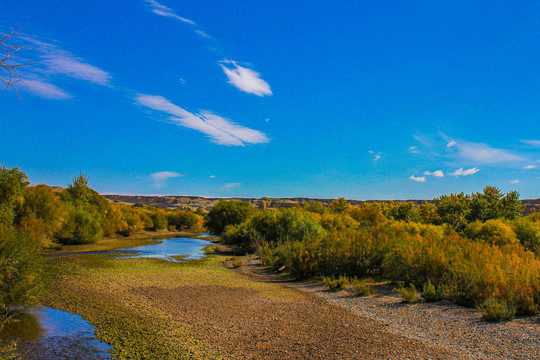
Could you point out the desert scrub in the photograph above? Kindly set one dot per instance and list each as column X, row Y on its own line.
column 409, row 294
column 335, row 284
column 497, row 310
column 431, row 293
column 361, row 287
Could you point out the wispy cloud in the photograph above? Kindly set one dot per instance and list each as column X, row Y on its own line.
column 529, row 167
column 414, row 150
column 451, row 143
column 515, row 181
column 423, row 139
column 160, row 178
column 202, row 34
column 220, row 130
column 437, row 173
column 60, row 61
column 418, row 179
column 44, row 89
column 245, row 79
column 163, row 10
column 212, row 176
column 484, row 153
column 461, row 172
column 534, row 143
column 231, row 186
column 376, row 157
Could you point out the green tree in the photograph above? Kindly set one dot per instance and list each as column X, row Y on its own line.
column 79, row 190
column 511, row 207
column 453, row 209
column 316, row 207
column 227, row 212
column 42, row 213
column 12, row 184
column 339, row 205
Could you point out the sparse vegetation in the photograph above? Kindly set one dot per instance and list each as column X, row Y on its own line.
column 335, row 284
column 409, row 294
column 497, row 310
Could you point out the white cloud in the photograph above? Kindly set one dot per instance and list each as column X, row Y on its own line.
column 451, row 143
column 529, row 167
column 437, row 173
column 59, row 61
column 418, row 179
column 516, row 181
column 245, row 79
column 414, row 150
column 212, row 176
column 484, row 153
column 535, row 143
column 376, row 157
column 160, row 178
column 44, row 89
column 461, row 172
column 163, row 10
column 220, row 130
column 164, row 175
column 240, row 132
column 202, row 34
column 231, row 186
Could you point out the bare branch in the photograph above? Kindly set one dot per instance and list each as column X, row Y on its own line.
column 8, row 62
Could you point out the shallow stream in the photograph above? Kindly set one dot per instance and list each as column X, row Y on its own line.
column 49, row 334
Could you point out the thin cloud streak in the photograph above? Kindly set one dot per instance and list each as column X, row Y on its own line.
column 163, row 10
column 418, row 179
column 484, row 153
column 60, row 61
column 160, row 178
column 461, row 172
column 245, row 79
column 164, row 175
column 220, row 130
column 44, row 90
column 437, row 173
column 534, row 143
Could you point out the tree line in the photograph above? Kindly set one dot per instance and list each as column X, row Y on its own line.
column 473, row 249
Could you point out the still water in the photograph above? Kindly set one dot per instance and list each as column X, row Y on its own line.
column 48, row 334
column 173, row 249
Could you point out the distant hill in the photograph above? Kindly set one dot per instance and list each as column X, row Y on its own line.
column 200, row 202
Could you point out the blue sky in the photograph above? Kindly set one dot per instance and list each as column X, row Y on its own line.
column 367, row 100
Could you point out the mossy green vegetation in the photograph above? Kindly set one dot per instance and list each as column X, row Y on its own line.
column 112, row 295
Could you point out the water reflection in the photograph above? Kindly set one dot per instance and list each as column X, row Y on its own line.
column 172, row 248
column 47, row 333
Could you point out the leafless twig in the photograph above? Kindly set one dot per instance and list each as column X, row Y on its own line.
column 8, row 61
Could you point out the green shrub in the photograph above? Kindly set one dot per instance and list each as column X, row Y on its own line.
column 361, row 288
column 227, row 212
column 528, row 233
column 409, row 294
column 430, row 293
column 20, row 269
column 83, row 226
column 492, row 231
column 497, row 310
column 335, row 284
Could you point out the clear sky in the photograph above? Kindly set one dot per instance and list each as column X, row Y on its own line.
column 362, row 99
